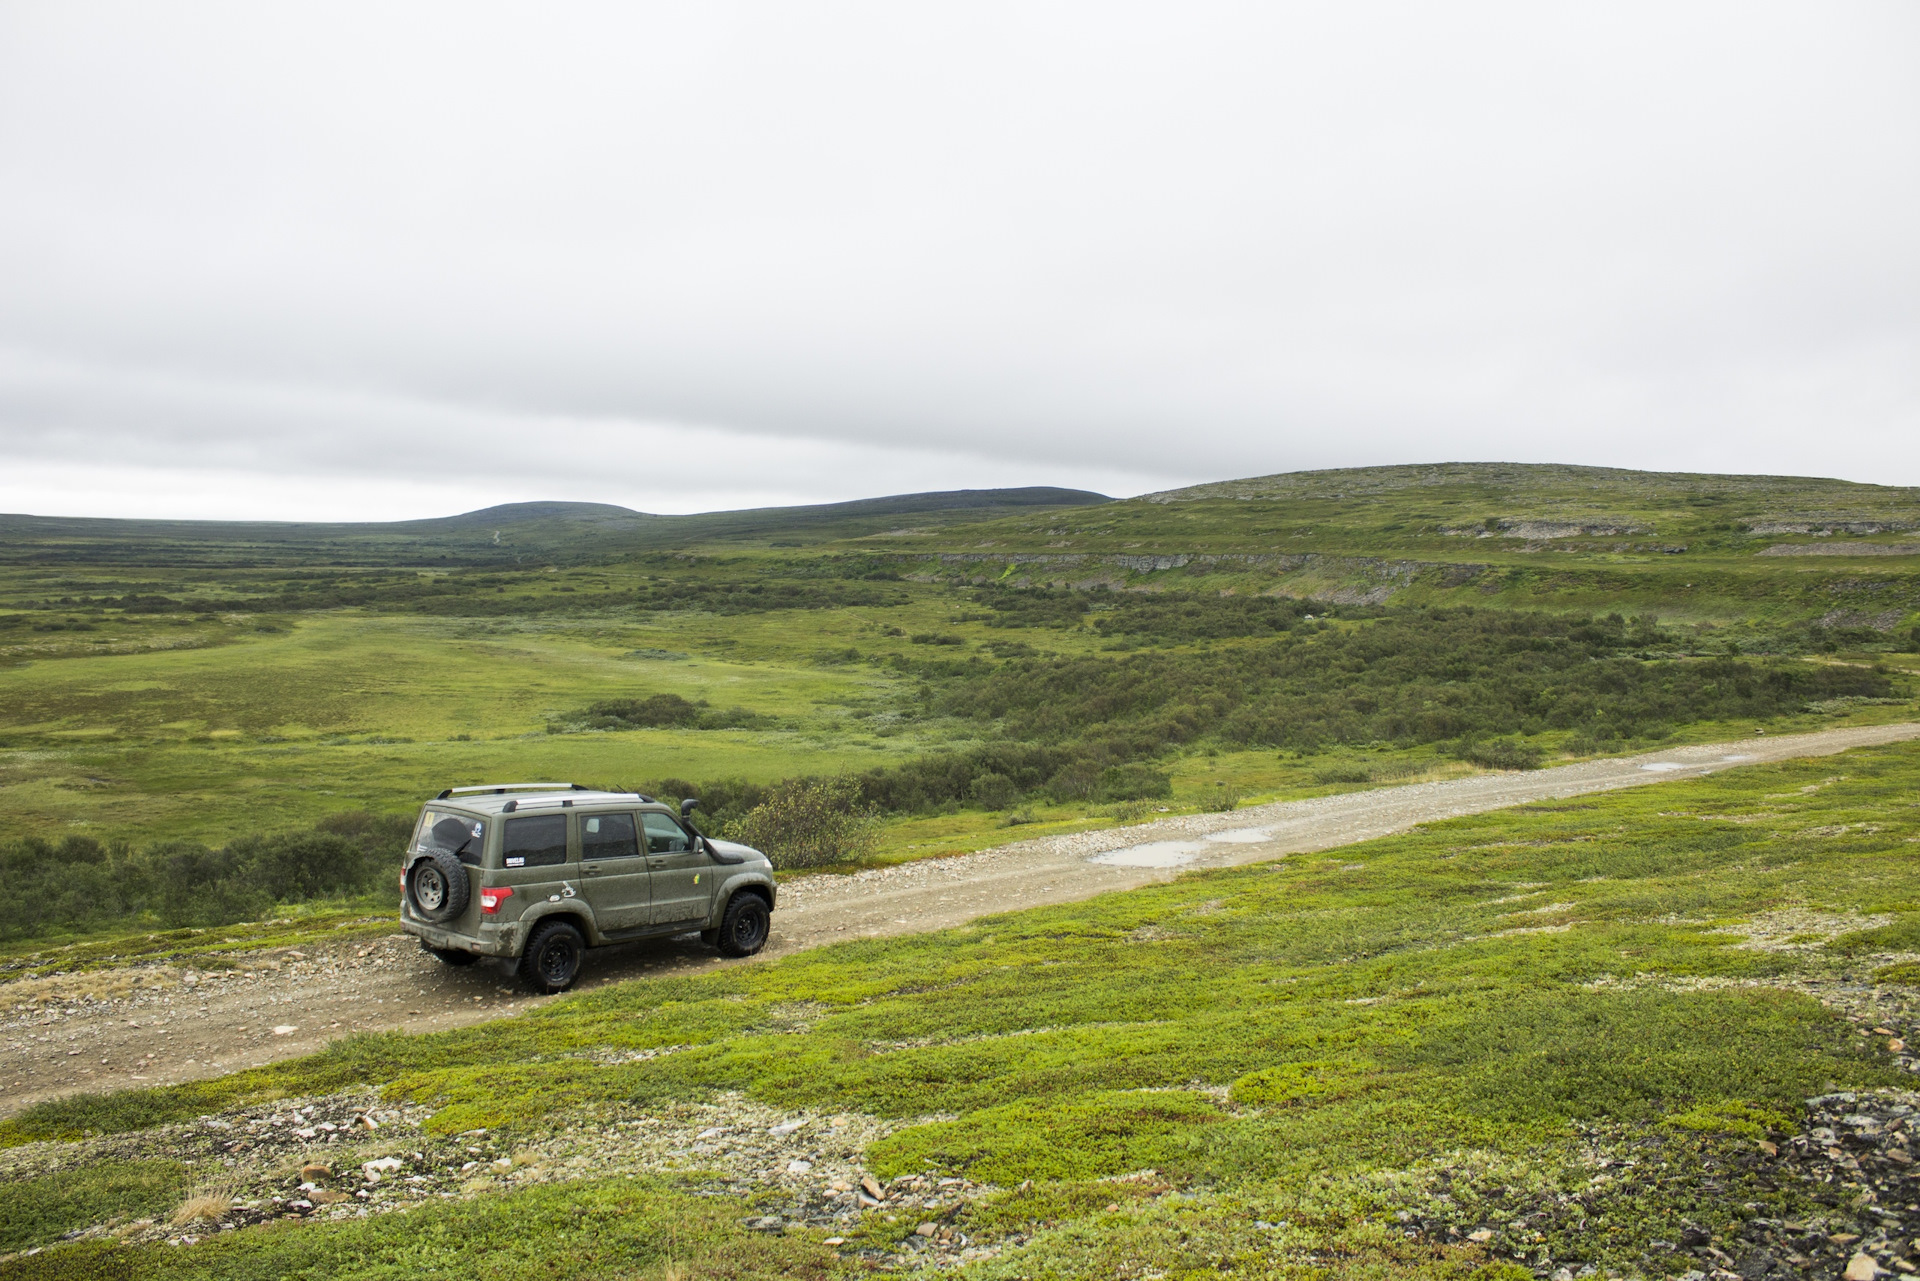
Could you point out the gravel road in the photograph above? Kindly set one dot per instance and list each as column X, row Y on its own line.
column 152, row 1025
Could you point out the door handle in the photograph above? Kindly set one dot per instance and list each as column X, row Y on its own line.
column 590, row 869
column 656, row 862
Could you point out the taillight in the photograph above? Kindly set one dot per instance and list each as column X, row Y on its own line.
column 490, row 899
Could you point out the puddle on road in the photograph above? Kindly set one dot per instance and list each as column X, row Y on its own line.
column 1660, row 767
column 1152, row 854
column 1736, row 758
column 1178, row 853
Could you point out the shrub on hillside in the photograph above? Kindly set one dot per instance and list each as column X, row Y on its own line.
column 659, row 711
column 79, row 883
column 994, row 791
column 1134, row 783
column 809, row 822
column 1499, row 753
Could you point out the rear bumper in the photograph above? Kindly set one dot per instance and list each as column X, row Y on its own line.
column 490, row 943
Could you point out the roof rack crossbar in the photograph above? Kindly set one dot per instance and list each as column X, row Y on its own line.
column 516, row 787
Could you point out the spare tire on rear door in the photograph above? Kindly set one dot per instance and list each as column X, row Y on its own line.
column 437, row 886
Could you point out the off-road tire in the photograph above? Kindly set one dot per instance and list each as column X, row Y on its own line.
column 450, row 955
column 744, row 928
column 551, row 962
column 437, row 886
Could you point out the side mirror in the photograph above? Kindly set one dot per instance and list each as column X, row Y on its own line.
column 688, row 806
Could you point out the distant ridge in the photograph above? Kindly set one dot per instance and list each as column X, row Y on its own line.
column 893, row 505
column 510, row 532
column 1497, row 476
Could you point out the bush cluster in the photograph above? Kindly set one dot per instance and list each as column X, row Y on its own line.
column 1476, row 684
column 1427, row 677
column 809, row 822
column 660, row 711
column 78, row 883
column 759, row 596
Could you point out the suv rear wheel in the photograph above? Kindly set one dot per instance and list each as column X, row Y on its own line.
column 744, row 928
column 552, row 960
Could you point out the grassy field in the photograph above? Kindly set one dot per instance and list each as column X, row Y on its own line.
column 1568, row 1028
column 343, row 710
column 1463, row 1028
column 1698, row 550
column 206, row 683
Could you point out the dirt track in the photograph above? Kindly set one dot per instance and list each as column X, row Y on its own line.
column 110, row 1034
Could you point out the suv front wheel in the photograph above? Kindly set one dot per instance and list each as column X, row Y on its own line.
column 744, row 928
column 552, row 960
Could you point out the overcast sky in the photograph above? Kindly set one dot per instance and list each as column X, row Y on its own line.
column 391, row 260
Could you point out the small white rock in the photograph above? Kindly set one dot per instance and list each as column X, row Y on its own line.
column 285, row 1029
column 799, row 1167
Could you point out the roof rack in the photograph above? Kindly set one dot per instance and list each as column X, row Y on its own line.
column 512, row 787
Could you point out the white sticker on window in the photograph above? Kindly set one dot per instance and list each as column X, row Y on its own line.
column 516, row 861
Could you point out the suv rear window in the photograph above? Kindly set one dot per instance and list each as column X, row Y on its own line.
column 536, row 842
column 462, row 834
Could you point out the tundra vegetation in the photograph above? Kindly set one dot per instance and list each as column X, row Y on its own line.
column 1553, row 1036
column 204, row 724
column 182, row 700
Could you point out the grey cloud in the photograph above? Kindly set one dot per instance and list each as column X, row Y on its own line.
column 845, row 247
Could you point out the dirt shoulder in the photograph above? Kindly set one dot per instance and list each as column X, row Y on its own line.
column 150, row 1025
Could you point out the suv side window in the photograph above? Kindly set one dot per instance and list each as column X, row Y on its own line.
column 536, row 842
column 608, row 836
column 664, row 836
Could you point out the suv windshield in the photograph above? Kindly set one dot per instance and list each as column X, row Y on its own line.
column 460, row 834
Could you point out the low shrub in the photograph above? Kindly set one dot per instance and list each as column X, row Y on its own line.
column 1134, row 783
column 658, row 711
column 809, row 822
column 994, row 791
column 1500, row 753
column 78, row 883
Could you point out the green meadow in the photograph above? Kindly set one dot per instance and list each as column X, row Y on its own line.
column 1457, row 1027
column 1011, row 663
column 1476, row 1030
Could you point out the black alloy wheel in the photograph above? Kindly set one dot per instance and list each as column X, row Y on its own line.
column 744, row 928
column 552, row 960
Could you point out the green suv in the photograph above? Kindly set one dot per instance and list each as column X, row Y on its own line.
column 533, row 874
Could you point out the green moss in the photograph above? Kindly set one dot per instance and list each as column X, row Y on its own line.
column 36, row 1211
column 1095, row 1134
column 588, row 1230
column 1730, row 1117
column 1311, row 1082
